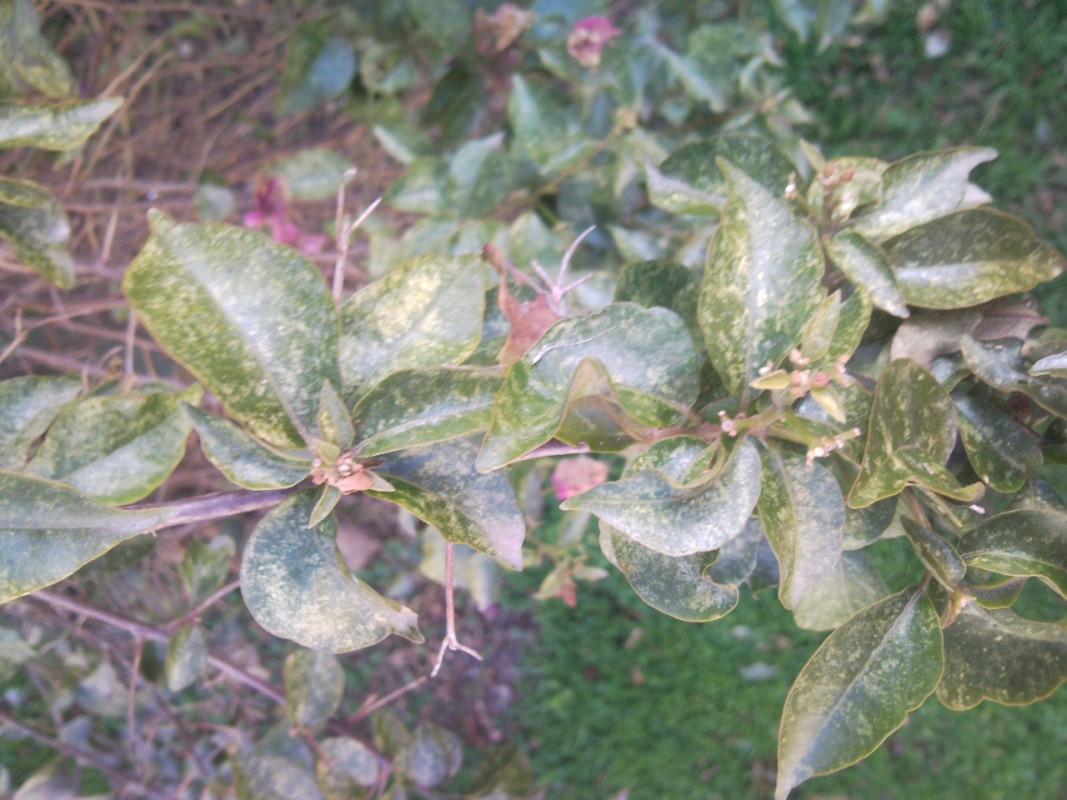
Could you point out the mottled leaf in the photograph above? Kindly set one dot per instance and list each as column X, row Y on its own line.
column 690, row 182
column 936, row 553
column 187, row 657
column 49, row 530
column 858, row 688
column 312, row 174
column 546, row 130
column 425, row 313
column 28, row 405
column 867, row 524
column 920, row 188
column 1001, row 367
column 423, row 406
column 116, row 449
column 968, row 258
column 997, row 655
column 205, row 566
column 263, row 353
column 803, row 515
column 328, row 498
column 1021, row 543
column 335, row 426
column 269, row 777
column 346, row 768
column 761, row 284
column 1054, row 365
column 912, row 432
column 646, row 353
column 244, row 459
column 27, row 62
column 439, row 485
column 297, row 586
column 855, row 317
column 867, row 268
column 314, row 686
column 38, row 230
column 661, row 283
column 432, row 755
column 1002, row 453
column 853, row 583
column 926, row 335
column 53, row 126
column 818, row 333
column 676, row 519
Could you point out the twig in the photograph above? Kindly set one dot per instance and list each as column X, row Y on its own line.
column 372, row 704
column 202, row 606
column 214, row 506
column 450, row 642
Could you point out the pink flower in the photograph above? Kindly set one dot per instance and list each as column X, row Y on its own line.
column 576, row 474
column 588, row 38
column 270, row 212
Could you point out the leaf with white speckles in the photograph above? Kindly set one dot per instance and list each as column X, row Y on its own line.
column 54, row 126
column 28, row 405
column 49, row 530
column 296, row 585
column 314, row 687
column 803, row 514
column 425, row 313
column 853, row 584
column 858, row 688
column 912, row 432
column 244, row 459
column 1021, row 543
column 38, row 229
column 689, row 181
column 1002, row 453
column 250, row 318
column 422, row 406
column 761, row 283
column 439, row 485
column 936, row 553
column 646, row 353
column 998, row 655
column 652, row 506
column 346, row 767
column 262, row 777
column 867, row 268
column 116, row 449
column 28, row 63
column 432, row 755
column 968, row 258
column 187, row 657
column 1001, row 366
column 920, row 188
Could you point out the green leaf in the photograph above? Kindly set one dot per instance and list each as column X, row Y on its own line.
column 314, row 686
column 1054, row 365
column 997, row 655
column 263, row 353
column 818, row 333
column 921, row 188
column 968, row 258
column 867, row 268
column 936, row 553
column 244, row 459
column 546, row 130
column 335, row 426
column 38, row 230
column 116, row 449
column 270, row 777
column 422, row 188
column 205, row 566
column 646, row 353
column 27, row 62
column 693, row 77
column 186, row 657
column 761, row 284
column 425, row 313
column 439, row 485
column 55, row 126
column 318, row 67
column 422, row 406
column 803, row 515
column 690, row 181
column 855, row 318
column 312, row 174
column 431, row 756
column 1021, row 543
column 479, row 178
column 679, row 587
column 657, row 511
column 867, row 524
column 346, row 768
column 327, row 500
column 664, row 284
column 28, row 405
column 49, row 530
column 858, row 688
column 297, row 586
column 853, row 583
column 1001, row 452
column 912, row 433
column 1001, row 366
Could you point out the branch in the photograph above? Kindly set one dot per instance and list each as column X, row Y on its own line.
column 451, row 642
column 214, row 506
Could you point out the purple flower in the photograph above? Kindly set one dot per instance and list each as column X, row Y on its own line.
column 588, row 38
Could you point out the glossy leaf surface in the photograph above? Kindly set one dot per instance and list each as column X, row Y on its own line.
column 263, row 353
column 937, row 554
column 49, row 530
column 998, row 655
column 438, row 484
column 858, row 688
column 647, row 354
column 425, row 313
column 1021, row 543
column 853, row 583
column 1001, row 452
column 803, row 515
column 423, row 406
column 867, row 268
column 55, row 126
column 1000, row 366
column 296, row 585
column 761, row 282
